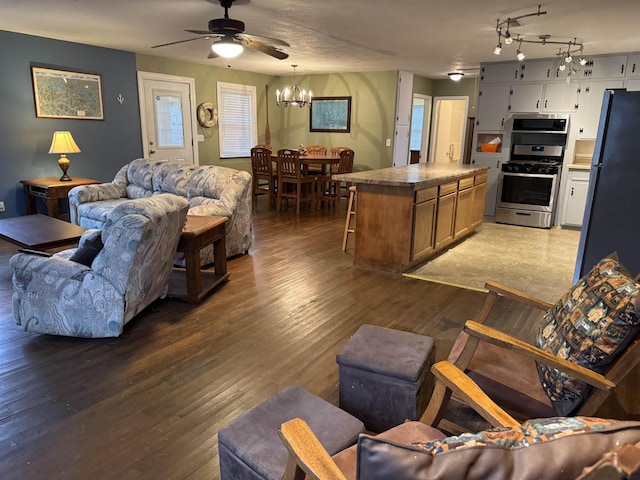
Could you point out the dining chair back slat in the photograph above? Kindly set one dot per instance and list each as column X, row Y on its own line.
column 264, row 178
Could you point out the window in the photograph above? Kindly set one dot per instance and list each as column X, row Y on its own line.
column 237, row 117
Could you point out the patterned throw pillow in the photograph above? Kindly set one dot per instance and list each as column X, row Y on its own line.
column 590, row 325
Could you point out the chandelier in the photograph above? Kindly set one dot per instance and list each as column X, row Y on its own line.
column 573, row 47
column 293, row 95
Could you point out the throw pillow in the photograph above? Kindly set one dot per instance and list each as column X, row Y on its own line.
column 89, row 247
column 590, row 325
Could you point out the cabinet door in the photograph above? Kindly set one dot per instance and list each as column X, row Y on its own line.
column 633, row 67
column 609, row 66
column 590, row 105
column 423, row 227
column 464, row 203
column 493, row 175
column 537, row 71
column 576, row 199
column 525, row 98
column 633, row 85
column 493, row 101
column 499, row 72
column 561, row 97
column 477, row 207
column 404, row 98
column 444, row 220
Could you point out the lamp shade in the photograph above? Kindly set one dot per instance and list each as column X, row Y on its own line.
column 227, row 49
column 63, row 142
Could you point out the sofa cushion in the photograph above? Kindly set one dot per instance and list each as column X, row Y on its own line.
column 549, row 448
column 140, row 178
column 590, row 325
column 172, row 178
column 90, row 246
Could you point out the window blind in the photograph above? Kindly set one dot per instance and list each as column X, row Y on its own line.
column 237, row 119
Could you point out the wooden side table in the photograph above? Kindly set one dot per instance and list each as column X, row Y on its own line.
column 198, row 232
column 50, row 189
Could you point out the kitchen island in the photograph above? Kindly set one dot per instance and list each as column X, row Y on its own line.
column 407, row 214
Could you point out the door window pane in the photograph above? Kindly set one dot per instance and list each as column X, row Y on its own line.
column 169, row 121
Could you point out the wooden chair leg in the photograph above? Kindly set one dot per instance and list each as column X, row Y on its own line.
column 351, row 212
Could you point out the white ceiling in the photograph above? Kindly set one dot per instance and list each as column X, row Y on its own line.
column 426, row 37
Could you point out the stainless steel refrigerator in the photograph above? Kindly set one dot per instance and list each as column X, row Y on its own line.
column 612, row 214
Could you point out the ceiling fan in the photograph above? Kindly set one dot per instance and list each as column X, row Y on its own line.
column 231, row 38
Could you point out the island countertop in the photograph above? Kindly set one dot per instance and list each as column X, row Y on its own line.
column 419, row 175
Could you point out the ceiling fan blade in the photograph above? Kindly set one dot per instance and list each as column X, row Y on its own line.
column 182, row 41
column 212, row 54
column 202, row 32
column 261, row 47
column 271, row 41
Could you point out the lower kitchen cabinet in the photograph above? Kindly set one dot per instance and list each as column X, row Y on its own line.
column 445, row 214
column 575, row 198
column 464, row 201
column 424, row 217
column 479, row 199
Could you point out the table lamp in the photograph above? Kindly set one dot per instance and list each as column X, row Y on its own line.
column 63, row 143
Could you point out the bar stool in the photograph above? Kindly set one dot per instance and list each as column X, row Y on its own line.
column 351, row 213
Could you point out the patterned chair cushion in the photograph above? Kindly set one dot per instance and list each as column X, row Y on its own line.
column 89, row 246
column 590, row 325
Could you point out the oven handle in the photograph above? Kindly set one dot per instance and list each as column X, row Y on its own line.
column 537, row 175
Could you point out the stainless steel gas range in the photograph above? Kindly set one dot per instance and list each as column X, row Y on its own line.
column 529, row 181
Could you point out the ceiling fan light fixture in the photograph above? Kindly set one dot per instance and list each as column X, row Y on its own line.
column 227, row 49
column 456, row 76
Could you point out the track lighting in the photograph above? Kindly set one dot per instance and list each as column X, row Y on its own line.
column 507, row 38
column 562, row 67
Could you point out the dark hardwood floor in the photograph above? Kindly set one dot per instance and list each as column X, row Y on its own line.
column 150, row 403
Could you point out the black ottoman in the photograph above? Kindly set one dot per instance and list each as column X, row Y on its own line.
column 385, row 376
column 250, row 448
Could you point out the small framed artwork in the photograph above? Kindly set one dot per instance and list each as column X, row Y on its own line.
column 330, row 114
column 64, row 94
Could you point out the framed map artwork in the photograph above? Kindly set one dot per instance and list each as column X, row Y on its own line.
column 330, row 114
column 63, row 94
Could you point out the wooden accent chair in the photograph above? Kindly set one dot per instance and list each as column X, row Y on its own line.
column 293, row 182
column 330, row 189
column 264, row 178
column 586, row 344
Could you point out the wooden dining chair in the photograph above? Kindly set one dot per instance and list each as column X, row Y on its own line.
column 332, row 190
column 264, row 178
column 316, row 150
column 293, row 180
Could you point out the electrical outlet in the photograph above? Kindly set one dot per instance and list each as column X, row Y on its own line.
column 1, row 206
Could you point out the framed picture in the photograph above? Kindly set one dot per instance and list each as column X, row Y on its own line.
column 330, row 114
column 62, row 94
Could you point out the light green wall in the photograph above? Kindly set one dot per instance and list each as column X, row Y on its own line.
column 423, row 85
column 465, row 87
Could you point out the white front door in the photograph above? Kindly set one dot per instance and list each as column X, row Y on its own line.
column 167, row 113
column 448, row 130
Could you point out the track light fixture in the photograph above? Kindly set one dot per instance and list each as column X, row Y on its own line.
column 573, row 47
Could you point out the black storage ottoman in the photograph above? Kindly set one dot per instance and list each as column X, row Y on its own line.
column 385, row 376
column 250, row 448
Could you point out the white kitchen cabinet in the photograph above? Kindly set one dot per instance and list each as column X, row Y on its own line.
column 575, row 198
column 633, row 85
column 499, row 72
column 588, row 116
column 538, row 70
column 633, row 66
column 609, row 66
column 493, row 175
column 404, row 98
column 561, row 97
column 525, row 98
column 493, row 101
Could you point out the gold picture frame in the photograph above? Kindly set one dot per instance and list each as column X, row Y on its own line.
column 67, row 94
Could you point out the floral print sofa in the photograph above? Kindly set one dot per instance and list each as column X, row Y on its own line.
column 210, row 190
column 130, row 261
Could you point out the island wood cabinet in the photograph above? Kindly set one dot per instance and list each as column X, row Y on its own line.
column 407, row 214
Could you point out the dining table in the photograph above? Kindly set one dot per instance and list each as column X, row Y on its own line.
column 324, row 159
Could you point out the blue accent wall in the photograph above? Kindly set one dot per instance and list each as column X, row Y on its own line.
column 105, row 145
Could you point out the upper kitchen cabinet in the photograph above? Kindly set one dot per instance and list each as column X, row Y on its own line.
column 632, row 84
column 588, row 116
column 633, row 67
column 404, row 98
column 561, row 97
column 525, row 98
column 609, row 66
column 493, row 101
column 538, row 70
column 499, row 72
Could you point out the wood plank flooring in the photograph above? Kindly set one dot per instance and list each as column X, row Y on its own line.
column 149, row 404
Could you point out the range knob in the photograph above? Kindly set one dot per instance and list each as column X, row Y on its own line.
column 528, row 169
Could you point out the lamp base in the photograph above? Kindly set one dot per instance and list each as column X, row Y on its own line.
column 64, row 163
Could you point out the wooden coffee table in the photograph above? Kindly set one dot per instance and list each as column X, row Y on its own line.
column 39, row 232
column 198, row 232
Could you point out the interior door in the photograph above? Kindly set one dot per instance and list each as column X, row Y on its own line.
column 167, row 113
column 448, row 130
column 420, row 126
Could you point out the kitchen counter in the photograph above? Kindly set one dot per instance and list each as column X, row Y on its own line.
column 407, row 214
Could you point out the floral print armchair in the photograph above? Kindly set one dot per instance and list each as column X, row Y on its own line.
column 57, row 295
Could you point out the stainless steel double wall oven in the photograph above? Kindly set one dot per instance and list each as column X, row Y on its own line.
column 529, row 181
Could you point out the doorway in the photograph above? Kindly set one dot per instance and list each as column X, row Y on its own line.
column 420, row 127
column 167, row 115
column 448, row 130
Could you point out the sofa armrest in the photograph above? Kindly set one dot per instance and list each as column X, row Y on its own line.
column 211, row 210
column 26, row 265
